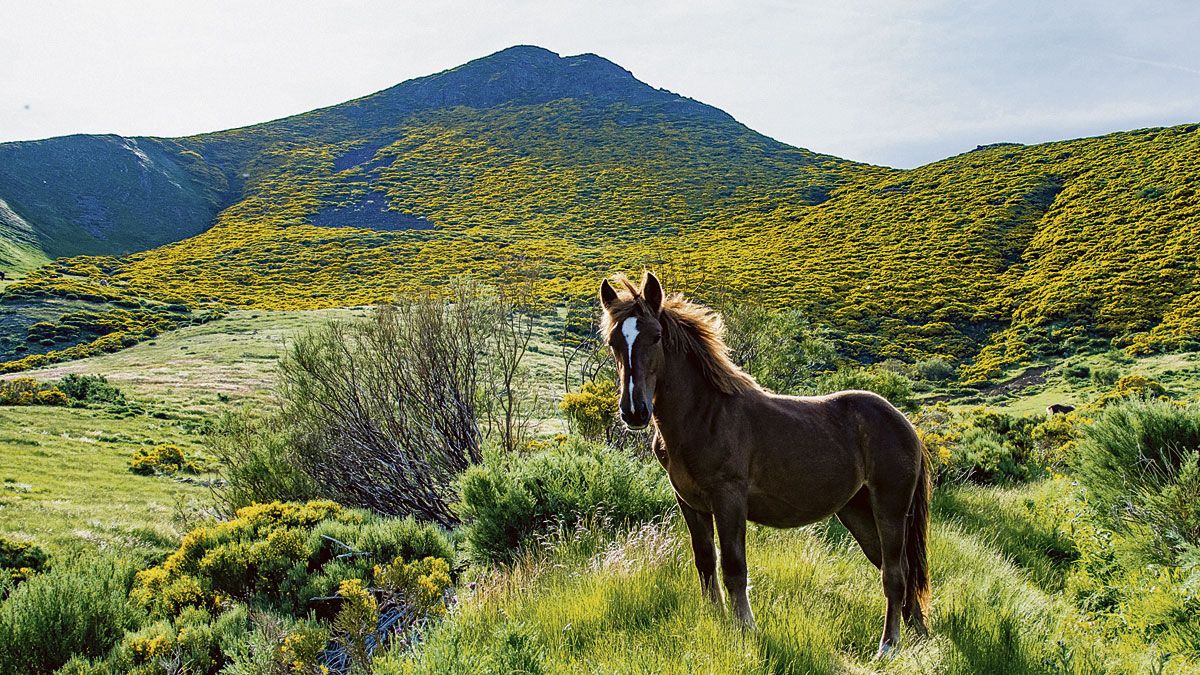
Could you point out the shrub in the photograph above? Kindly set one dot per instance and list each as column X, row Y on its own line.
column 19, row 558
column 281, row 556
column 509, row 500
column 980, row 446
column 1077, row 372
column 90, row 389
column 385, row 413
column 1055, row 438
column 592, row 411
column 28, row 391
column 405, row 595
column 936, row 370
column 888, row 384
column 1132, row 386
column 1105, row 377
column 985, row 456
column 162, row 459
column 1138, row 463
column 782, row 349
column 278, row 645
column 257, row 462
column 78, row 608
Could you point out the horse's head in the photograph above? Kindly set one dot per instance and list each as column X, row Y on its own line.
column 634, row 334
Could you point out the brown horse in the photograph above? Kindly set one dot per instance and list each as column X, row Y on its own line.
column 735, row 452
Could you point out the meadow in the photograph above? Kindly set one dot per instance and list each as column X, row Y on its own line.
column 569, row 555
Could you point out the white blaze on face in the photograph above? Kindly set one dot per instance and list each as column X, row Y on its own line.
column 630, row 330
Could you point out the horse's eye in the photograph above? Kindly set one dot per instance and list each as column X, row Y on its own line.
column 657, row 338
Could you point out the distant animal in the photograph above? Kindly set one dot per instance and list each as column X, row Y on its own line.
column 735, row 452
column 1059, row 409
column 3, row 276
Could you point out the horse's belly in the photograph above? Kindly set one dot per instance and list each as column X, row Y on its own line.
column 774, row 511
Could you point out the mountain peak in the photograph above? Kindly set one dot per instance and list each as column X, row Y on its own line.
column 518, row 75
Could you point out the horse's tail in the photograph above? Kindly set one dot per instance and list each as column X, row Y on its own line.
column 916, row 600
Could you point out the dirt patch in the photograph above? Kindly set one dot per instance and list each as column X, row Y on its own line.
column 1030, row 378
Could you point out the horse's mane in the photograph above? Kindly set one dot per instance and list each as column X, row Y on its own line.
column 687, row 328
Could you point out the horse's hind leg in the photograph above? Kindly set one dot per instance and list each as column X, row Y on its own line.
column 700, row 526
column 858, row 517
column 891, row 511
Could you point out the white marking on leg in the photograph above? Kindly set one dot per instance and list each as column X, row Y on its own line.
column 630, row 330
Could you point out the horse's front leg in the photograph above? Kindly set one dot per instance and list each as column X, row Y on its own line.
column 730, row 515
column 700, row 526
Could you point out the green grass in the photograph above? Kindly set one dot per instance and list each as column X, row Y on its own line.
column 1000, row 556
column 233, row 357
column 1180, row 373
column 635, row 605
column 66, row 480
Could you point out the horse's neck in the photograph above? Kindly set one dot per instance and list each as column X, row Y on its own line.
column 684, row 399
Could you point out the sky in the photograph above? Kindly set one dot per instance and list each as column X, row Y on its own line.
column 895, row 82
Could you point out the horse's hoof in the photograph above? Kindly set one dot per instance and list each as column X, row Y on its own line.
column 886, row 650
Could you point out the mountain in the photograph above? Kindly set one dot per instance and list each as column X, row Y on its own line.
column 571, row 168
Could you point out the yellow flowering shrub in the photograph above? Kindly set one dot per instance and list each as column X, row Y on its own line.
column 28, row 391
column 280, row 556
column 592, row 410
column 421, row 584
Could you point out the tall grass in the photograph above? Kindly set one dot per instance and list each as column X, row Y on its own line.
column 634, row 605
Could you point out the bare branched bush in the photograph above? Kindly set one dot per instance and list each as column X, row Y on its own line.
column 385, row 413
column 509, row 404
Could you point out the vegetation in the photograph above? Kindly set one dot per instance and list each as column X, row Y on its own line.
column 27, row 391
column 394, row 498
column 163, row 459
column 508, row 502
column 984, row 261
column 568, row 555
column 78, row 608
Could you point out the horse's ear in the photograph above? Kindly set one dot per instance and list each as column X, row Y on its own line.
column 608, row 295
column 652, row 291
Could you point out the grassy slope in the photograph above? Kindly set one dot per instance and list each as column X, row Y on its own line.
column 635, row 606
column 106, row 195
column 66, row 479
column 1179, row 373
column 627, row 607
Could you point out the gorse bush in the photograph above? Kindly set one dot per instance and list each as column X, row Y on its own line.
column 19, row 558
column 27, row 391
column 592, row 411
column 980, row 446
column 1131, row 386
column 281, row 557
column 165, row 458
column 76, row 608
column 508, row 501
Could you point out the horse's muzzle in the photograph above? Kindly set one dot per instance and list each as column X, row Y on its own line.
column 638, row 419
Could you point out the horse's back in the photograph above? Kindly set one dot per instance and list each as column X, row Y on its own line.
column 809, row 455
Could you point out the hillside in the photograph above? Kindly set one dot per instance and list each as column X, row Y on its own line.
column 574, row 169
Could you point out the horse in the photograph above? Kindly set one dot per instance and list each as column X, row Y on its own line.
column 1059, row 409
column 735, row 452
